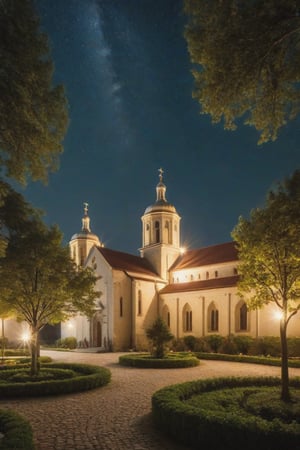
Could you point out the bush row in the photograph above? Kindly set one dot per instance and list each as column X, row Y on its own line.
column 200, row 427
column 86, row 377
column 17, row 432
column 234, row 345
column 266, row 360
column 172, row 361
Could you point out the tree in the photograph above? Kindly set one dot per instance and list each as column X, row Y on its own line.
column 159, row 334
column 269, row 251
column 33, row 112
column 15, row 214
column 40, row 284
column 247, row 61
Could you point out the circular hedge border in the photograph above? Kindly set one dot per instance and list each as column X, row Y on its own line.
column 171, row 361
column 86, row 377
column 198, row 428
column 17, row 432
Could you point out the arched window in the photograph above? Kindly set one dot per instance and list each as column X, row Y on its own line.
column 139, row 302
column 213, row 318
column 187, row 318
column 167, row 233
column 192, row 277
column 241, row 317
column 166, row 315
column 207, row 275
column 157, row 232
column 121, row 306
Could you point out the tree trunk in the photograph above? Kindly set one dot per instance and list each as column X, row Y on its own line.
column 285, row 393
column 34, row 352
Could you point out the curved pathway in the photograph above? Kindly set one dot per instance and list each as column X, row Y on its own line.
column 117, row 416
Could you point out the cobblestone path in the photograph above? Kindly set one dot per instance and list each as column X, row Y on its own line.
column 117, row 416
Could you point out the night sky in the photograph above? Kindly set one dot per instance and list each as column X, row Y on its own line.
column 126, row 70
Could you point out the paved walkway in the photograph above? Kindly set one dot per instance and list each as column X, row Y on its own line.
column 117, row 416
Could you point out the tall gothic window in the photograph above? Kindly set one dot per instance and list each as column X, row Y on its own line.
column 241, row 317
column 213, row 318
column 187, row 318
column 139, row 302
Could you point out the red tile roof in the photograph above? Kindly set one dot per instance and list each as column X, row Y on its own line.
column 214, row 254
column 126, row 262
column 200, row 285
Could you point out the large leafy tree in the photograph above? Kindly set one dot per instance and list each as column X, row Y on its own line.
column 33, row 112
column 15, row 214
column 246, row 61
column 269, row 251
column 40, row 284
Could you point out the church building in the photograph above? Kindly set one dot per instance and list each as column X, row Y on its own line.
column 194, row 291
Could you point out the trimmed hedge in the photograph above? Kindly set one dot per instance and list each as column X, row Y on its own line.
column 171, row 361
column 86, row 377
column 16, row 430
column 267, row 361
column 202, row 427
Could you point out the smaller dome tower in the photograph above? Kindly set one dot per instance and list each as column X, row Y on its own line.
column 81, row 243
column 161, row 231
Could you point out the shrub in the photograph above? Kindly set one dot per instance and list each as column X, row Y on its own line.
column 171, row 361
column 229, row 346
column 222, row 425
column 86, row 377
column 190, row 342
column 159, row 334
column 267, row 345
column 68, row 342
column 214, row 341
column 17, row 432
column 243, row 344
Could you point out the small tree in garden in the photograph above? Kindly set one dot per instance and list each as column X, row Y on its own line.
column 159, row 334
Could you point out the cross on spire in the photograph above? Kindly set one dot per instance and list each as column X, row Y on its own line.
column 160, row 174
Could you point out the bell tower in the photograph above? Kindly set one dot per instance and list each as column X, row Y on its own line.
column 81, row 243
column 161, row 232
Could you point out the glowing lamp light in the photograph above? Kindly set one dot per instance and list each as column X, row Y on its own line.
column 182, row 250
column 278, row 315
column 25, row 336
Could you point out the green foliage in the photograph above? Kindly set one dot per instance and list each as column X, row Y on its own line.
column 269, row 253
column 68, row 342
column 190, row 342
column 264, row 360
column 192, row 412
column 17, row 432
column 159, row 334
column 215, row 341
column 33, row 112
column 84, row 377
column 170, row 361
column 246, row 62
column 39, row 282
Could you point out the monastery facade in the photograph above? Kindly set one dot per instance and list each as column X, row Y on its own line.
column 195, row 291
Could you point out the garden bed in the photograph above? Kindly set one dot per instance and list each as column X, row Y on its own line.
column 52, row 379
column 229, row 414
column 170, row 361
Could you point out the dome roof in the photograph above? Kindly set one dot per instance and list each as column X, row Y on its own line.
column 161, row 203
column 86, row 231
